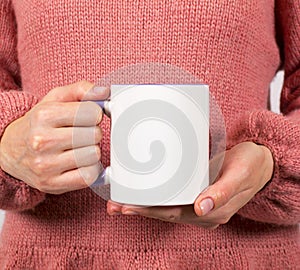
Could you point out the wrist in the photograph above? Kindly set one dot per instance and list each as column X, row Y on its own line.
column 268, row 163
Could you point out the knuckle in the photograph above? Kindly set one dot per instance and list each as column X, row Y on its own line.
column 223, row 196
column 83, row 85
column 175, row 215
column 95, row 112
column 244, row 171
column 37, row 142
column 42, row 114
column 87, row 177
column 39, row 166
column 172, row 218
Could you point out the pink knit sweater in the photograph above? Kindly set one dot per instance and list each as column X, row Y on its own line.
column 234, row 46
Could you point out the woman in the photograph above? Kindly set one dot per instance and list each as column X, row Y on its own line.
column 54, row 222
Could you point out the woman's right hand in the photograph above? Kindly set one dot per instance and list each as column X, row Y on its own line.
column 55, row 146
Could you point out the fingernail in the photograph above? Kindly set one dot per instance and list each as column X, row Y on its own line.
column 114, row 208
column 130, row 212
column 206, row 206
column 100, row 180
column 98, row 89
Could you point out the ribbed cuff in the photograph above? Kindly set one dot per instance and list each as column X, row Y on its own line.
column 14, row 104
column 278, row 202
column 17, row 195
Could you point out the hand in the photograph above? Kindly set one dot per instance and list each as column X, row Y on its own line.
column 40, row 148
column 246, row 169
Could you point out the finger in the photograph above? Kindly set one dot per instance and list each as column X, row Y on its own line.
column 232, row 181
column 58, row 114
column 77, row 137
column 65, row 161
column 56, row 140
column 113, row 208
column 97, row 93
column 75, row 179
column 223, row 214
column 167, row 213
column 177, row 214
column 79, row 157
column 88, row 112
column 78, row 91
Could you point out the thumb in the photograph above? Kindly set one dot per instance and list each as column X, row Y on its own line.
column 220, row 193
column 78, row 91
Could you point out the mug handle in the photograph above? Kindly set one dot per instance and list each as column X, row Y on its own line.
column 103, row 177
column 105, row 105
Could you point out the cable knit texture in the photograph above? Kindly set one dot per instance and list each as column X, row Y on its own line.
column 234, row 46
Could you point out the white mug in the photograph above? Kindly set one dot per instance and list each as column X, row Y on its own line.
column 159, row 143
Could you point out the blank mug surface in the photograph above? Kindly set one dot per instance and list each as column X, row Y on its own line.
column 159, row 143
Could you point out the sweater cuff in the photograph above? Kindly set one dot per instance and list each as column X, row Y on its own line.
column 14, row 104
column 16, row 194
column 278, row 202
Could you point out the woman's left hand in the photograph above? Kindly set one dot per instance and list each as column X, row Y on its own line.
column 246, row 169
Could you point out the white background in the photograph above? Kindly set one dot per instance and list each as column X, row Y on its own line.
column 275, row 93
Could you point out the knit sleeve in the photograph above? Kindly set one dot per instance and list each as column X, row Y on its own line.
column 279, row 201
column 14, row 193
